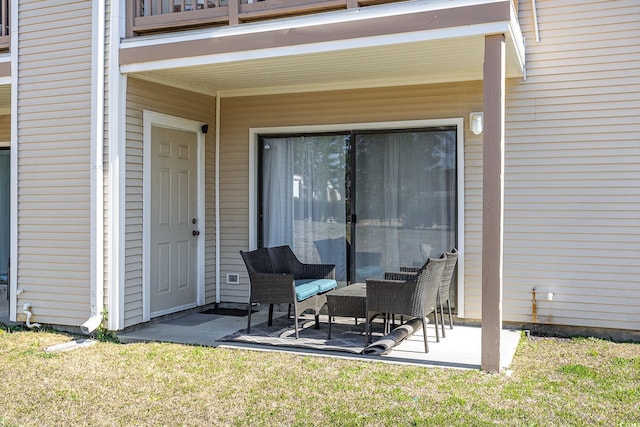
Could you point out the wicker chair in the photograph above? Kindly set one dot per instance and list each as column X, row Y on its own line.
column 276, row 276
column 416, row 296
column 445, row 286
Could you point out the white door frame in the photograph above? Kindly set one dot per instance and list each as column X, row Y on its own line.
column 149, row 119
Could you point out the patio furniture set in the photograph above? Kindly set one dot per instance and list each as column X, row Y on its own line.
column 276, row 276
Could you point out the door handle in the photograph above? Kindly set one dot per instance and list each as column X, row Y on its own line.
column 195, row 233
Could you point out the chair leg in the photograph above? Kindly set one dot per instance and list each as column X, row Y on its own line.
column 444, row 335
column 295, row 319
column 435, row 315
column 435, row 321
column 388, row 320
column 424, row 333
column 367, row 331
column 249, row 320
column 367, row 328
column 270, row 315
column 450, row 316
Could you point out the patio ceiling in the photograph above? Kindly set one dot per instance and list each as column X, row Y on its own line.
column 423, row 62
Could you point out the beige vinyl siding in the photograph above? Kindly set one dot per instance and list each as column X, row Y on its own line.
column 5, row 131
column 240, row 114
column 572, row 191
column 142, row 95
column 54, row 129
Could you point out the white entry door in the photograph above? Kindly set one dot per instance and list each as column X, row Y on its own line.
column 174, row 230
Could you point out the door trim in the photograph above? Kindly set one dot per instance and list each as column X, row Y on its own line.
column 458, row 122
column 150, row 119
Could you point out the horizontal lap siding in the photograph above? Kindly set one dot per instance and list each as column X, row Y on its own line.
column 572, row 190
column 321, row 108
column 142, row 95
column 54, row 140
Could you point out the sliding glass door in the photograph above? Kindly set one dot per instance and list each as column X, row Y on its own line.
column 368, row 202
column 405, row 203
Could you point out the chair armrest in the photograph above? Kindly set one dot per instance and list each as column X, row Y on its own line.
column 272, row 288
column 407, row 269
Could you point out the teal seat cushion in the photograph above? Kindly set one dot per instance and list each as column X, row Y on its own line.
column 325, row 285
column 306, row 288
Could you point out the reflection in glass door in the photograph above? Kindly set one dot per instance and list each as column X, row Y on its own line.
column 405, row 199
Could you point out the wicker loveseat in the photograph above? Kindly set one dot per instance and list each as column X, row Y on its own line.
column 276, row 276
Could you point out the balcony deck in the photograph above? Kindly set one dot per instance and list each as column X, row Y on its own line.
column 153, row 16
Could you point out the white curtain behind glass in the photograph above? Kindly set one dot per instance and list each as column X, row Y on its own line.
column 277, row 191
column 406, row 197
column 303, row 197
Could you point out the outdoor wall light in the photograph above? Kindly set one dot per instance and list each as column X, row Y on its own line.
column 476, row 122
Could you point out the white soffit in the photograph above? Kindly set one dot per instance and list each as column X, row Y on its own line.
column 423, row 62
column 438, row 61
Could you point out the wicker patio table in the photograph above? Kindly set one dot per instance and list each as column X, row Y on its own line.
column 349, row 301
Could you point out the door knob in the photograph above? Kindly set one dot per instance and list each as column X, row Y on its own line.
column 196, row 233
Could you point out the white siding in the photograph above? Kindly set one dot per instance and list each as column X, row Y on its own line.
column 54, row 104
column 572, row 187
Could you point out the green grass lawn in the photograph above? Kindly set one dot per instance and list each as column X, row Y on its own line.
column 553, row 382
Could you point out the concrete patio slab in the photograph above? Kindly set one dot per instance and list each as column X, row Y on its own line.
column 460, row 349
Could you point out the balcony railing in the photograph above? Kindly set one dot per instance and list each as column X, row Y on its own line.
column 4, row 25
column 146, row 16
column 166, row 15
